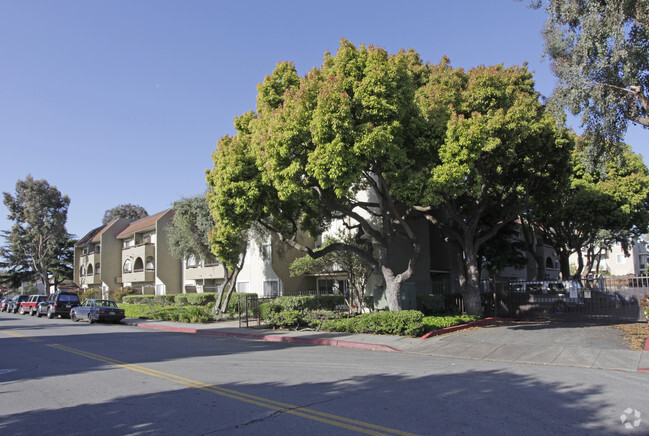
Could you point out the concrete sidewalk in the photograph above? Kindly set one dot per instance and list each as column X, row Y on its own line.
column 541, row 343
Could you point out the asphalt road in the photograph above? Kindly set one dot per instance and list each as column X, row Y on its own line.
column 59, row 377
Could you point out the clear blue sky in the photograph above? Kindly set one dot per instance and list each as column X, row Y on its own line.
column 123, row 101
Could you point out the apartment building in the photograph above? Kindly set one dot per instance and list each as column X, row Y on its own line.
column 619, row 263
column 97, row 257
column 146, row 261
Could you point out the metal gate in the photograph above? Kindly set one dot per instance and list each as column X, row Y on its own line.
column 601, row 298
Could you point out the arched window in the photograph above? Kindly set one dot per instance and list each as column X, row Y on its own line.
column 127, row 266
column 150, row 266
column 97, row 269
column 89, row 270
column 549, row 264
column 139, row 265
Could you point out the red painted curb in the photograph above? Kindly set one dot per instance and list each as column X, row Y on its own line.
column 274, row 338
column 646, row 345
column 454, row 328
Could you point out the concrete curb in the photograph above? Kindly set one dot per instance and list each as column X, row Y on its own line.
column 275, row 338
column 455, row 328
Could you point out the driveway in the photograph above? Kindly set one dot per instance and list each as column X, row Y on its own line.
column 562, row 343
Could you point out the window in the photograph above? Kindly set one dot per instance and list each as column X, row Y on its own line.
column 243, row 286
column 89, row 272
column 98, row 249
column 97, row 269
column 139, row 265
column 191, row 262
column 620, row 258
column 160, row 289
column 271, row 288
column 150, row 266
column 549, row 264
column 127, row 266
column 82, row 271
column 266, row 252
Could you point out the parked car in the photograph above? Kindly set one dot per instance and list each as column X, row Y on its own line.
column 3, row 304
column 59, row 304
column 29, row 306
column 97, row 310
column 14, row 303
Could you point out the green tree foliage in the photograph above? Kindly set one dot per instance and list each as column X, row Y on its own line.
column 597, row 207
column 356, row 269
column 38, row 235
column 62, row 266
column 189, row 234
column 374, row 139
column 494, row 146
column 129, row 210
column 312, row 146
column 600, row 54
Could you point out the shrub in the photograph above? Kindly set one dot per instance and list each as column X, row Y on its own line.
column 645, row 304
column 403, row 323
column 432, row 303
column 201, row 299
column 285, row 319
column 439, row 322
column 310, row 302
column 168, row 313
column 163, row 300
column 181, row 300
column 119, row 294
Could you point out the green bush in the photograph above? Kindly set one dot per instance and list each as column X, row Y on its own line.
column 181, row 300
column 403, row 323
column 201, row 299
column 432, row 303
column 168, row 313
column 439, row 322
column 119, row 294
column 285, row 319
column 310, row 302
column 162, row 300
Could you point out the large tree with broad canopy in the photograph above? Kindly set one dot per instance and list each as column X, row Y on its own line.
column 374, row 139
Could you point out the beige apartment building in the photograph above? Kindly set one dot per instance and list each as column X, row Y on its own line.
column 97, row 258
column 146, row 261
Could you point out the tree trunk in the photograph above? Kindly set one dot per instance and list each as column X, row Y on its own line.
column 471, row 292
column 233, row 286
column 564, row 262
column 392, row 290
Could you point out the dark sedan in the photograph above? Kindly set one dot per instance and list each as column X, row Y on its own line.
column 97, row 310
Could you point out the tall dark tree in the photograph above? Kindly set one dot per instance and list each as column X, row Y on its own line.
column 600, row 54
column 596, row 207
column 39, row 212
column 129, row 210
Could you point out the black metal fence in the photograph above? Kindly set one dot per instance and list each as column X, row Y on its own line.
column 595, row 298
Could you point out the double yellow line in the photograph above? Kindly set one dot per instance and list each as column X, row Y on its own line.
column 314, row 415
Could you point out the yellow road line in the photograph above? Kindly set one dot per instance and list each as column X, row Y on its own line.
column 323, row 417
column 19, row 335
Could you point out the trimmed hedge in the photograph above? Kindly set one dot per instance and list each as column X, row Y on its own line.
column 168, row 313
column 162, row 300
column 308, row 302
column 199, row 299
column 432, row 303
column 439, row 322
column 402, row 323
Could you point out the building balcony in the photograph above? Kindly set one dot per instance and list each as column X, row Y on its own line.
column 205, row 272
column 138, row 276
column 143, row 250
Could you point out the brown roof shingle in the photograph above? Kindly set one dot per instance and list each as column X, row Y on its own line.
column 142, row 224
